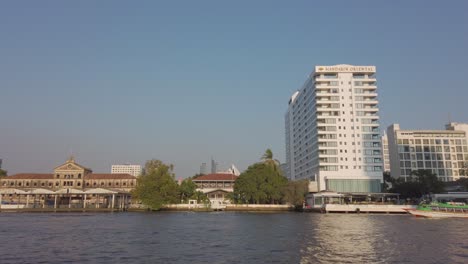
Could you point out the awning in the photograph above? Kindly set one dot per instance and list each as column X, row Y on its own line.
column 69, row 191
column 99, row 191
column 12, row 191
column 41, row 191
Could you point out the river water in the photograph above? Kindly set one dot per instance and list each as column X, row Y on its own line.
column 228, row 237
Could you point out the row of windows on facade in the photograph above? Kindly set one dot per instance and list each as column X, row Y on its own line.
column 374, row 161
column 438, row 172
column 433, row 156
column 431, row 149
column 68, row 176
column 337, row 106
column 65, row 183
column 356, row 83
column 336, row 168
column 335, row 76
column 322, row 92
column 212, row 184
column 320, row 121
column 432, row 141
column 335, row 159
column 434, row 164
column 334, row 136
column 366, row 151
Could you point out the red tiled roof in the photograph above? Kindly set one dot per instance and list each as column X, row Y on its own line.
column 108, row 176
column 216, row 177
column 92, row 176
column 30, row 176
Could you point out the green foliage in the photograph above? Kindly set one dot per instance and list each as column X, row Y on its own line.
column 295, row 191
column 463, row 182
column 200, row 197
column 387, row 179
column 3, row 173
column 268, row 155
column 187, row 190
column 156, row 186
column 259, row 184
column 421, row 182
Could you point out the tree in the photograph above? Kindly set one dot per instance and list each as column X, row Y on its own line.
column 463, row 182
column 428, row 181
column 261, row 183
column 3, row 173
column 187, row 190
column 268, row 159
column 295, row 192
column 156, row 186
column 387, row 179
column 420, row 182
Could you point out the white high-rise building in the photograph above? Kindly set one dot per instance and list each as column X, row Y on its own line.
column 332, row 130
column 134, row 170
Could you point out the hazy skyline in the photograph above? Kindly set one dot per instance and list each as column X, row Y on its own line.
column 123, row 82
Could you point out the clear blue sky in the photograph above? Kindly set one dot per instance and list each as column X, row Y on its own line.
column 181, row 81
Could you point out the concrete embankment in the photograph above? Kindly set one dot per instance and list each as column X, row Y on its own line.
column 367, row 208
column 228, row 207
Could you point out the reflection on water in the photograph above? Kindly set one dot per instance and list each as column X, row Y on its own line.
column 342, row 239
column 230, row 238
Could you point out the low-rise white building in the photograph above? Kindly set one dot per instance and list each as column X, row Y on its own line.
column 134, row 170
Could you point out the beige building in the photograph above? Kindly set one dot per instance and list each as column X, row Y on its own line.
column 444, row 152
column 70, row 184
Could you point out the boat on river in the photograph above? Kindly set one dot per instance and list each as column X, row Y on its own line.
column 441, row 210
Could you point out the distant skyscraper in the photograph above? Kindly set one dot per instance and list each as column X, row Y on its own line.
column 203, row 168
column 134, row 170
column 1, row 163
column 332, row 130
column 214, row 166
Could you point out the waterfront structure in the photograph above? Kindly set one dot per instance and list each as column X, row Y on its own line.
column 70, row 184
column 332, row 130
column 444, row 152
column 216, row 186
column 385, row 153
column 134, row 170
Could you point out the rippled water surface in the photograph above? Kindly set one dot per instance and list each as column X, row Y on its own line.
column 227, row 237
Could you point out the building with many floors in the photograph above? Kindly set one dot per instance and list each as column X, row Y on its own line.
column 134, row 170
column 332, row 130
column 444, row 152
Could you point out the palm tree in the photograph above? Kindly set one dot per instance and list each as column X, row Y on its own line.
column 267, row 158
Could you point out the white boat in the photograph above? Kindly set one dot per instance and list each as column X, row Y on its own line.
column 437, row 214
